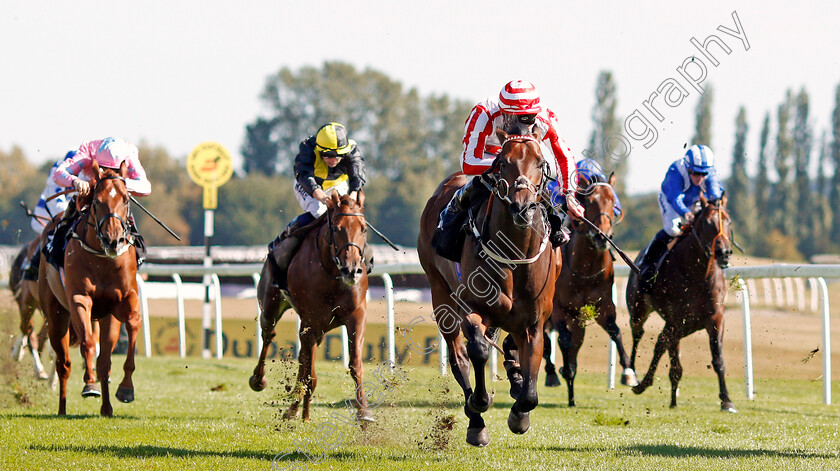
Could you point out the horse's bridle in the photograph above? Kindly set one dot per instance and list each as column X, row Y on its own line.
column 589, row 232
column 501, row 188
column 99, row 222
column 710, row 249
column 337, row 251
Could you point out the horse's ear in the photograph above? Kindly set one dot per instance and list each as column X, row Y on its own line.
column 537, row 134
column 703, row 201
column 360, row 198
column 124, row 169
column 723, row 200
column 611, row 180
column 501, row 134
column 334, row 199
column 95, row 170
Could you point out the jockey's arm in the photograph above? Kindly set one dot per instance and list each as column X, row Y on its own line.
column 672, row 188
column 479, row 126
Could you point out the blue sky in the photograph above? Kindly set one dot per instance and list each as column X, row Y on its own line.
column 176, row 74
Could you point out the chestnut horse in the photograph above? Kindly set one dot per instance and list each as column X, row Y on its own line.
column 98, row 281
column 26, row 296
column 584, row 287
column 328, row 285
column 688, row 292
column 509, row 272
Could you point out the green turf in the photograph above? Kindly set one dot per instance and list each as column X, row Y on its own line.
column 178, row 421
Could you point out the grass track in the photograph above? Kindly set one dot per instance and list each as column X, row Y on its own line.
column 177, row 422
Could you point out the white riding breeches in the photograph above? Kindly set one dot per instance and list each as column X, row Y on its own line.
column 313, row 206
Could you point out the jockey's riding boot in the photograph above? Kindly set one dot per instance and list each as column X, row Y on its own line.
column 559, row 226
column 283, row 248
column 139, row 243
column 30, row 269
column 462, row 199
column 55, row 245
column 657, row 248
column 368, row 256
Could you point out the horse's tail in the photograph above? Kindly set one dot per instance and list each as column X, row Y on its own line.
column 16, row 271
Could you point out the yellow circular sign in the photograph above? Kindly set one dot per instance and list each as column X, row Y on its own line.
column 209, row 165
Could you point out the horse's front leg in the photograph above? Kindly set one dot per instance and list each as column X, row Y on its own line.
column 714, row 327
column 109, row 335
column 80, row 307
column 606, row 319
column 478, row 350
column 133, row 321
column 530, row 357
column 272, row 306
column 510, row 349
column 356, row 340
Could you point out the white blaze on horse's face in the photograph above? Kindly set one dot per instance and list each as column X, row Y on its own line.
column 110, row 211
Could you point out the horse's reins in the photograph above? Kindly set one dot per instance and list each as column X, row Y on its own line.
column 501, row 189
column 336, row 252
column 711, row 253
column 101, row 222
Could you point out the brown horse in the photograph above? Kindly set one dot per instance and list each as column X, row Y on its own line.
column 98, row 281
column 688, row 292
column 327, row 287
column 509, row 271
column 26, row 296
column 584, row 287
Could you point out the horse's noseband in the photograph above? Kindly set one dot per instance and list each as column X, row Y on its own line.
column 337, row 251
column 101, row 221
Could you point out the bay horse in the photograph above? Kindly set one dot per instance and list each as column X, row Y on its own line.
column 509, row 271
column 584, row 287
column 328, row 285
column 98, row 282
column 688, row 292
column 25, row 293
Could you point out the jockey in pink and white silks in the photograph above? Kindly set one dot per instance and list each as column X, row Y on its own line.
column 517, row 111
column 76, row 172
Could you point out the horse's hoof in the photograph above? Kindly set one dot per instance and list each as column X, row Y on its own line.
column 43, row 375
column 91, row 390
column 479, row 408
column 628, row 378
column 552, row 380
column 365, row 415
column 125, row 395
column 478, row 436
column 519, row 422
column 290, row 414
column 728, row 407
column 257, row 385
column 638, row 389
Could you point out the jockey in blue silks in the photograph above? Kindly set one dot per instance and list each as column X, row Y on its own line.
column 686, row 178
column 588, row 171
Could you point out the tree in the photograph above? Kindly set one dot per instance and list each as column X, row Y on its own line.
column 259, row 151
column 823, row 211
column 405, row 138
column 603, row 147
column 172, row 193
column 738, row 186
column 703, row 119
column 19, row 181
column 254, row 209
column 762, row 187
column 805, row 213
column 784, row 193
column 834, row 197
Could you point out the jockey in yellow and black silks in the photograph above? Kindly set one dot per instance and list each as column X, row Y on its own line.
column 327, row 162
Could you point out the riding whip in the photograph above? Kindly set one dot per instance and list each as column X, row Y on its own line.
column 153, row 217
column 620, row 252
column 382, row 236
